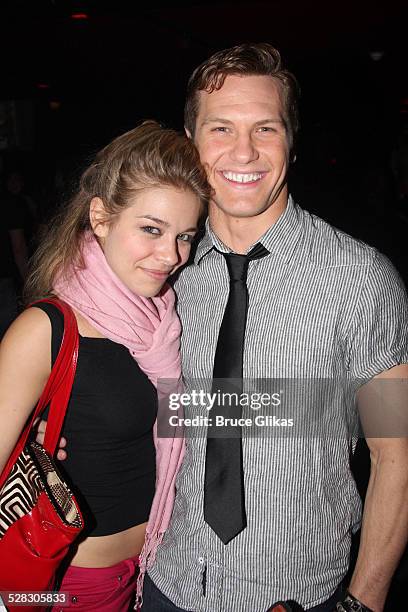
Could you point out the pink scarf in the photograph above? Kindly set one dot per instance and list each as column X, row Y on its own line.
column 150, row 329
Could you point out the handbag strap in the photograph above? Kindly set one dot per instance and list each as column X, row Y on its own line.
column 57, row 390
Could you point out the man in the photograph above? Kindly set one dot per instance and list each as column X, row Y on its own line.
column 321, row 306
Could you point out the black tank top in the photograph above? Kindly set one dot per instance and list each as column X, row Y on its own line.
column 109, row 431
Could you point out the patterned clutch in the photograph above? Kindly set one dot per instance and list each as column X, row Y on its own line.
column 34, row 473
column 39, row 516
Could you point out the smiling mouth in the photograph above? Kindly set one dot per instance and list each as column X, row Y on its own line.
column 158, row 274
column 243, row 178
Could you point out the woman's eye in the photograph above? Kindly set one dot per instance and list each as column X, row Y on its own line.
column 150, row 229
column 186, row 238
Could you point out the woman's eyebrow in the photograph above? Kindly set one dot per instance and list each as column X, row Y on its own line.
column 164, row 223
column 155, row 219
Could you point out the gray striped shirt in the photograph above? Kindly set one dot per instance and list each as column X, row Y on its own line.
column 322, row 305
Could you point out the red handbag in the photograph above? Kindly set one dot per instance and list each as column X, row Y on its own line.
column 39, row 516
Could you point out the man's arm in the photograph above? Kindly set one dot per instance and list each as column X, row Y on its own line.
column 384, row 532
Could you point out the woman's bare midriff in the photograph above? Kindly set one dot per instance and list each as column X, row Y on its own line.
column 104, row 551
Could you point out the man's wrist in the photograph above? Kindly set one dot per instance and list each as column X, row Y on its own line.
column 351, row 604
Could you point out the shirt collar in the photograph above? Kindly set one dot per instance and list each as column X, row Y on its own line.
column 281, row 238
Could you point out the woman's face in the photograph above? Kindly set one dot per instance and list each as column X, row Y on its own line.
column 150, row 239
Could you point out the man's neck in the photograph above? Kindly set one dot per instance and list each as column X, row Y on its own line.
column 239, row 233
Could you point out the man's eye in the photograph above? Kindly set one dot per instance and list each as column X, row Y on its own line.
column 220, row 129
column 186, row 238
column 265, row 128
column 150, row 229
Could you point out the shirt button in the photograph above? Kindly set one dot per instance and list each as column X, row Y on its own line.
column 74, row 599
column 201, row 560
column 119, row 578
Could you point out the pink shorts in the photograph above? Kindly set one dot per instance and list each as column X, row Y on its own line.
column 105, row 589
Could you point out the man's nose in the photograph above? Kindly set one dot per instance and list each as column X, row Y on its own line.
column 244, row 149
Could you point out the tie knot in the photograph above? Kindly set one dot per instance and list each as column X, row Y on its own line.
column 238, row 264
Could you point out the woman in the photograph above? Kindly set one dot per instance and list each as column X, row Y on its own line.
column 108, row 255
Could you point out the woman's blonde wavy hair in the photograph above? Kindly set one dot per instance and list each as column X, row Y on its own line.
column 147, row 156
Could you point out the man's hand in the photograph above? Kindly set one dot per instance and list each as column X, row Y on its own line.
column 42, row 425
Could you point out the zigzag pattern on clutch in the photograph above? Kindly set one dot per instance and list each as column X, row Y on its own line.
column 20, row 492
column 33, row 473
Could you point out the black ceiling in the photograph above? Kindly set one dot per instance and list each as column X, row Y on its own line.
column 124, row 41
column 130, row 60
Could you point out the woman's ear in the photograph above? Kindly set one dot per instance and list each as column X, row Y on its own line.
column 98, row 218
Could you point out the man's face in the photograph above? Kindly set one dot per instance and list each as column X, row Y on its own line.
column 243, row 144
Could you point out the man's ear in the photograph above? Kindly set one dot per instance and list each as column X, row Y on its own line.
column 188, row 133
column 98, row 218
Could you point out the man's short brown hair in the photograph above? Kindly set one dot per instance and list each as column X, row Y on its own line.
column 260, row 59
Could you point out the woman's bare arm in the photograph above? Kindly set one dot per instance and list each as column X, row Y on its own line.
column 25, row 364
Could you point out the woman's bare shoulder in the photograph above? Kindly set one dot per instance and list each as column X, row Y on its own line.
column 28, row 338
column 25, row 365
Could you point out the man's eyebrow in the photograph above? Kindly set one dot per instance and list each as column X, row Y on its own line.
column 269, row 120
column 216, row 120
column 155, row 219
column 228, row 122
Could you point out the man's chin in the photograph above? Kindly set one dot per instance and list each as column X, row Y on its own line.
column 238, row 209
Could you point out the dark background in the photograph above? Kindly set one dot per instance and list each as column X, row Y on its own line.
column 70, row 84
column 75, row 83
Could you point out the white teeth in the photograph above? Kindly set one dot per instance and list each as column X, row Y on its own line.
column 242, row 178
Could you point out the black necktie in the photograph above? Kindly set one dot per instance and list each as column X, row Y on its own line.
column 224, row 494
